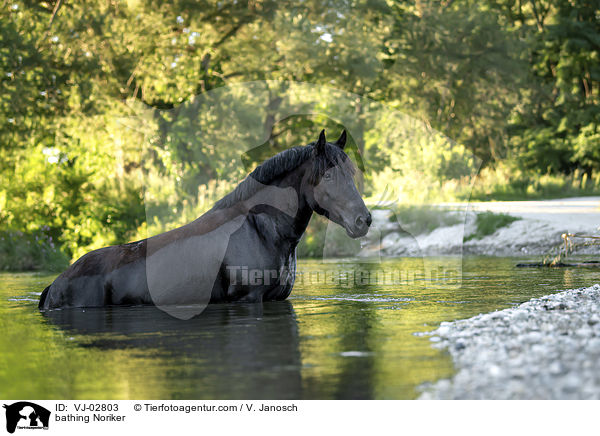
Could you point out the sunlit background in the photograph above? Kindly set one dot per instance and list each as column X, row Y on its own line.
column 104, row 102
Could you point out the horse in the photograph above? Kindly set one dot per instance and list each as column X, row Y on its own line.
column 241, row 250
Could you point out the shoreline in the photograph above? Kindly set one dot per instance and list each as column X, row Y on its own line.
column 545, row 348
column 536, row 231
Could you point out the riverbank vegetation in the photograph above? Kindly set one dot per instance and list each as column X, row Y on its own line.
column 420, row 219
column 32, row 251
column 124, row 119
column 487, row 223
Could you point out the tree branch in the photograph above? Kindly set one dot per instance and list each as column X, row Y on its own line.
column 54, row 12
column 539, row 21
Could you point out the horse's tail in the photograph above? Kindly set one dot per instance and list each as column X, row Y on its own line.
column 43, row 297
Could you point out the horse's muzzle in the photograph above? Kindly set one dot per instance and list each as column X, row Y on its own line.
column 361, row 225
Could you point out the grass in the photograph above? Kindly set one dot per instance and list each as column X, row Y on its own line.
column 487, row 223
column 506, row 183
column 520, row 192
column 421, row 219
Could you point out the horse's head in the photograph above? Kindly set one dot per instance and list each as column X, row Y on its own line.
column 330, row 188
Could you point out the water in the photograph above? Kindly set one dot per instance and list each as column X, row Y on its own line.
column 329, row 340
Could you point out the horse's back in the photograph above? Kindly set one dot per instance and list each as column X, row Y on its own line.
column 90, row 281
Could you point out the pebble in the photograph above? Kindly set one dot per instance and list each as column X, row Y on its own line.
column 545, row 348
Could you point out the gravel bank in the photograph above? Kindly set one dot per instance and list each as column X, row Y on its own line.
column 546, row 348
column 538, row 230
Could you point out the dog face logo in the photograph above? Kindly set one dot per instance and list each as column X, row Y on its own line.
column 26, row 415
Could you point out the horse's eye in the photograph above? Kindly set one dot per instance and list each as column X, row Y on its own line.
column 327, row 176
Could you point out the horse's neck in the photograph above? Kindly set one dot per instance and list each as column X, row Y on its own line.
column 279, row 227
column 288, row 215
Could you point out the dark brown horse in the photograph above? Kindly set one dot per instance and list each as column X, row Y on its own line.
column 243, row 249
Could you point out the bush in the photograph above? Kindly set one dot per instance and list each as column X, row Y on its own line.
column 507, row 182
column 420, row 219
column 488, row 222
column 29, row 252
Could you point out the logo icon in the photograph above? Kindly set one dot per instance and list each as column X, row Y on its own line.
column 26, row 415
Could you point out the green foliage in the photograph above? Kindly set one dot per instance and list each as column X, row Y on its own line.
column 33, row 251
column 444, row 57
column 324, row 239
column 487, row 223
column 313, row 241
column 555, row 128
column 420, row 165
column 124, row 118
column 423, row 219
column 507, row 182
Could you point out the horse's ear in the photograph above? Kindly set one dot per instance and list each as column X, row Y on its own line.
column 341, row 142
column 320, row 145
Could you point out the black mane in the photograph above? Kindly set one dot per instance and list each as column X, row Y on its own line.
column 283, row 163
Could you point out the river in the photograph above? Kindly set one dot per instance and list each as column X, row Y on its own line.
column 335, row 338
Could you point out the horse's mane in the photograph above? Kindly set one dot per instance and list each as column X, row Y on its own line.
column 281, row 164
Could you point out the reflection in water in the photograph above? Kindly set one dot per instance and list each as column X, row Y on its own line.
column 229, row 351
column 332, row 339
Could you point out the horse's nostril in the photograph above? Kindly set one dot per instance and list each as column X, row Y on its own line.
column 362, row 221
